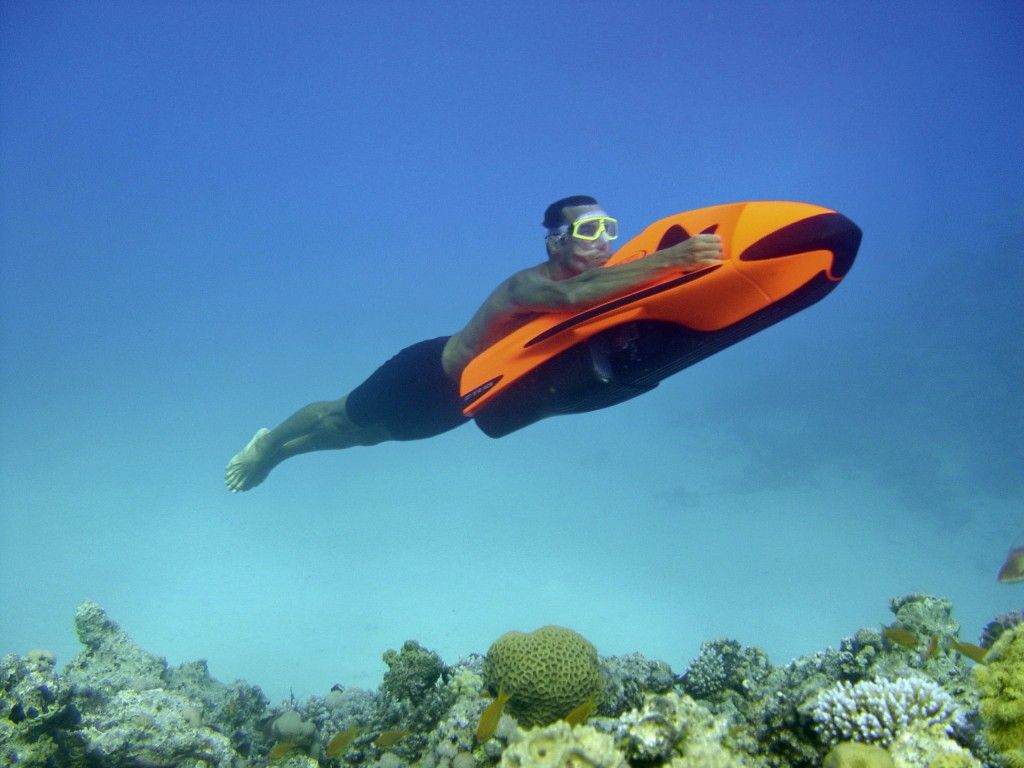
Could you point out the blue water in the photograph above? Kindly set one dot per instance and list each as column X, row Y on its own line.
column 212, row 214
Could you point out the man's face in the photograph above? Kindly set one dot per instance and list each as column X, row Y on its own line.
column 574, row 255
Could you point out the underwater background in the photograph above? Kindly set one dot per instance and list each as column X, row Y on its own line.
column 214, row 213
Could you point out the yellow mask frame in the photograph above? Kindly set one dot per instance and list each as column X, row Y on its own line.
column 589, row 226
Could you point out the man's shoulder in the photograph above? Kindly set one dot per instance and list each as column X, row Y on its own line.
column 536, row 273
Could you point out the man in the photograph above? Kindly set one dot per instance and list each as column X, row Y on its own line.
column 415, row 394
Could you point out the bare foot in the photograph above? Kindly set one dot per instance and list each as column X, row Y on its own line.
column 249, row 466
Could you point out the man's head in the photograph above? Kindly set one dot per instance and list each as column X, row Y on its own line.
column 579, row 234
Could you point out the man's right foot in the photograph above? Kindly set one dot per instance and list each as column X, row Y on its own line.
column 249, row 467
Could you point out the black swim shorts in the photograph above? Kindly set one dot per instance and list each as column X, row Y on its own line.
column 410, row 394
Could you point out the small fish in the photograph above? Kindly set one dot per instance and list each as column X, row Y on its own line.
column 582, row 712
column 279, row 750
column 933, row 648
column 342, row 740
column 903, row 637
column 390, row 738
column 1012, row 571
column 971, row 651
column 489, row 719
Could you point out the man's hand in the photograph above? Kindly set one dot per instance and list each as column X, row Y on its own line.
column 697, row 252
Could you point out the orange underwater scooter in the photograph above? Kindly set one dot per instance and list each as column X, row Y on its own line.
column 779, row 257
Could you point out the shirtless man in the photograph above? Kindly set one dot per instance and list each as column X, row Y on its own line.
column 415, row 394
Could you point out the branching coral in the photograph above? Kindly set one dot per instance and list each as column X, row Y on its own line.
column 878, row 711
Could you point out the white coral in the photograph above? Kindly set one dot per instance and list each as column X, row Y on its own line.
column 679, row 729
column 878, row 711
column 560, row 745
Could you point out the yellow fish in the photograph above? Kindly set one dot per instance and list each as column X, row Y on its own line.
column 342, row 740
column 279, row 750
column 390, row 738
column 971, row 651
column 903, row 637
column 1012, row 571
column 489, row 719
column 582, row 712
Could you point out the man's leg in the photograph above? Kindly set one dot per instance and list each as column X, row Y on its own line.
column 320, row 426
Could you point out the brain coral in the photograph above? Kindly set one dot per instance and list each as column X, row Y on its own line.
column 546, row 673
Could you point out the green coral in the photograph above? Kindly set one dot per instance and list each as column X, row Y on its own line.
column 412, row 672
column 954, row 760
column 853, row 754
column 546, row 673
column 1001, row 685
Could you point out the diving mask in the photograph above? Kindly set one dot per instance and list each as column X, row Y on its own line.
column 589, row 226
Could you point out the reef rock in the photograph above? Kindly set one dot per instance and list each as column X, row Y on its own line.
column 156, row 729
column 111, row 662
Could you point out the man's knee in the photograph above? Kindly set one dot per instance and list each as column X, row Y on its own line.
column 364, row 434
column 334, row 410
column 378, row 433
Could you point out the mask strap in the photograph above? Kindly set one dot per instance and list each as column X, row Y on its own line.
column 563, row 229
column 598, row 214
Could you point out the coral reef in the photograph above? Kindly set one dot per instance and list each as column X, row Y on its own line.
column 771, row 703
column 913, row 704
column 1001, row 706
column 547, row 673
column 119, row 705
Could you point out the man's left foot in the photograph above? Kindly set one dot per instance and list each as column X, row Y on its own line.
column 248, row 468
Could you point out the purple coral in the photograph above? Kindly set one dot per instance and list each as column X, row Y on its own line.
column 998, row 625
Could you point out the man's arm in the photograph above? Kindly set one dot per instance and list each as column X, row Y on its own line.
column 533, row 292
